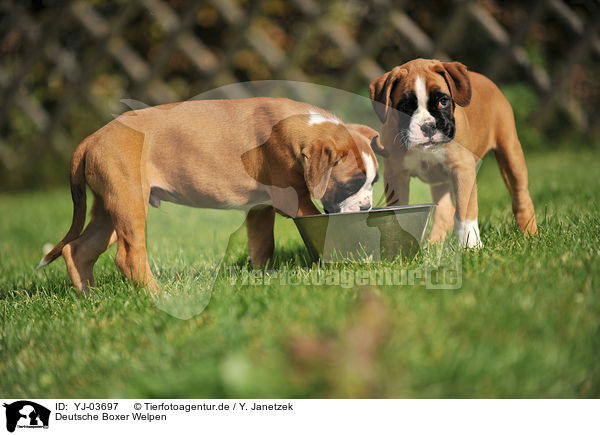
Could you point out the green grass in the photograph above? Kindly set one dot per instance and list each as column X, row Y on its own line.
column 526, row 322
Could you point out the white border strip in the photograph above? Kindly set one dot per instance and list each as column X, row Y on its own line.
column 317, row 416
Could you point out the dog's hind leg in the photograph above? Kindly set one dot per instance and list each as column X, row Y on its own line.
column 129, row 220
column 511, row 162
column 82, row 253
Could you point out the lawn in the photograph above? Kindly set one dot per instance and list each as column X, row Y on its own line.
column 525, row 323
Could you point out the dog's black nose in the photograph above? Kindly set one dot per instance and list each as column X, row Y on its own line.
column 428, row 129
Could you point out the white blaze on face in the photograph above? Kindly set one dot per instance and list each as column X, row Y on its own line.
column 363, row 199
column 420, row 116
column 318, row 118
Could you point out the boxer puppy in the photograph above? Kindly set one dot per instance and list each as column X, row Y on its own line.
column 260, row 155
column 439, row 120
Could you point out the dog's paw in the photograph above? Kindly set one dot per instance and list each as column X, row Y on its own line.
column 467, row 232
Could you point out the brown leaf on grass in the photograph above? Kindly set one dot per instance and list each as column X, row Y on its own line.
column 346, row 361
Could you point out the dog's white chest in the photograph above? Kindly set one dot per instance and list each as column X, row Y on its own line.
column 428, row 165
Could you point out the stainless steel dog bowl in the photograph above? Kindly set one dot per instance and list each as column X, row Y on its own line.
column 365, row 236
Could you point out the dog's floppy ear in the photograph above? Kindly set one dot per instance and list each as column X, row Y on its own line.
column 378, row 148
column 319, row 159
column 457, row 78
column 373, row 137
column 380, row 91
column 364, row 130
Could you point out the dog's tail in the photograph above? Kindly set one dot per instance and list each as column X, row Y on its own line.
column 79, row 204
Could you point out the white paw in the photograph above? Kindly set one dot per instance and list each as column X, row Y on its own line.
column 467, row 232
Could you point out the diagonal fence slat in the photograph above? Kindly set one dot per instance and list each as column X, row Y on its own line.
column 129, row 60
column 179, row 37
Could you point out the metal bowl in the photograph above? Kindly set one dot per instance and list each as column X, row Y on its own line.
column 365, row 236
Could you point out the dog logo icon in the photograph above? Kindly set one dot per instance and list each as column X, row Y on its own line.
column 26, row 414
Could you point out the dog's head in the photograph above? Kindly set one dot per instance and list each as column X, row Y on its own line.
column 340, row 167
column 419, row 99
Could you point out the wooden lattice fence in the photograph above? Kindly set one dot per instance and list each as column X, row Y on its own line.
column 64, row 66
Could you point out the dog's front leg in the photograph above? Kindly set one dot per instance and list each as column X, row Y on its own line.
column 259, row 226
column 465, row 216
column 306, row 207
column 443, row 214
column 397, row 183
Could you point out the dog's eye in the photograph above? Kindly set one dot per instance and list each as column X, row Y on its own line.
column 443, row 102
column 406, row 106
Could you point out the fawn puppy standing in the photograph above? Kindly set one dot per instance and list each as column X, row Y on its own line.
column 439, row 120
column 260, row 155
